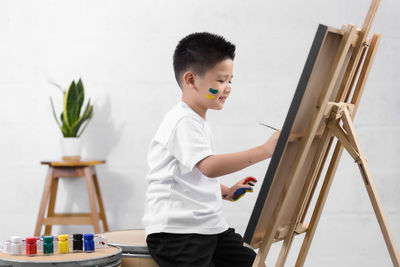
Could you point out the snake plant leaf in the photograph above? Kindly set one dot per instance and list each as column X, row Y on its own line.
column 89, row 118
column 85, row 118
column 87, row 114
column 58, row 86
column 54, row 112
column 64, row 129
column 84, row 127
column 87, row 109
column 72, row 106
column 68, row 93
column 81, row 96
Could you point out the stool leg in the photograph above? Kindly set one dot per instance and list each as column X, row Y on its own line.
column 100, row 200
column 92, row 200
column 45, row 198
column 50, row 211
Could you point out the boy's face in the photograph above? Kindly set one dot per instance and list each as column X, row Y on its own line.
column 213, row 88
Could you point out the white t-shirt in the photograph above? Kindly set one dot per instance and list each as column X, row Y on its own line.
column 179, row 198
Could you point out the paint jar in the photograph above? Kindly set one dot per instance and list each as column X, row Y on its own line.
column 63, row 243
column 88, row 242
column 77, row 243
column 31, row 246
column 48, row 245
column 16, row 245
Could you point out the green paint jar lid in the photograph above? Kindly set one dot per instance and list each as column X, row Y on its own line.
column 48, row 239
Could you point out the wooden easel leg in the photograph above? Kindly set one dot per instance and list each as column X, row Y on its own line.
column 373, row 196
column 303, row 216
column 351, row 69
column 260, row 259
column 100, row 200
column 319, row 205
column 373, row 48
column 89, row 183
column 306, row 194
column 376, row 204
column 50, row 211
column 43, row 203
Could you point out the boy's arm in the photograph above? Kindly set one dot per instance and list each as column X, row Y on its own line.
column 219, row 165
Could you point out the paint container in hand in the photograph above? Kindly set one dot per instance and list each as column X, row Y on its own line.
column 16, row 245
column 63, row 243
column 77, row 244
column 48, row 245
column 88, row 242
column 31, row 247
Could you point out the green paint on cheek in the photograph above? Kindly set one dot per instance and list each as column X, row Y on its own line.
column 210, row 96
column 213, row 91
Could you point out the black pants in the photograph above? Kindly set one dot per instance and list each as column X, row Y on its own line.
column 196, row 250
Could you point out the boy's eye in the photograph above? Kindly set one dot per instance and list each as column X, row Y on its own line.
column 221, row 81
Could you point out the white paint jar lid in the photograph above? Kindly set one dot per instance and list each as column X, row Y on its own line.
column 16, row 239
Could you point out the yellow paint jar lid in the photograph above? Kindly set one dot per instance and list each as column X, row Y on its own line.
column 63, row 237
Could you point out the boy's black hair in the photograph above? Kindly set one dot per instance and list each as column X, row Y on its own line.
column 200, row 52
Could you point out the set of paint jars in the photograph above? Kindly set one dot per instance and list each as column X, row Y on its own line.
column 80, row 243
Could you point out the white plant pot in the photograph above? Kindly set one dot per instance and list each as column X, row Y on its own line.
column 71, row 148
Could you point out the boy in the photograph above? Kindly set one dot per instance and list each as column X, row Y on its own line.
column 183, row 220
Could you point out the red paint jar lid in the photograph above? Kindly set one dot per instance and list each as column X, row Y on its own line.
column 31, row 240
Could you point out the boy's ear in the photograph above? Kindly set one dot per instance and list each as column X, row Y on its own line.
column 188, row 79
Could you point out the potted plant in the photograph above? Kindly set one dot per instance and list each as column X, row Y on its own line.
column 72, row 121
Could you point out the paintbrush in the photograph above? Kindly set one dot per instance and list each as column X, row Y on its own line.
column 273, row 128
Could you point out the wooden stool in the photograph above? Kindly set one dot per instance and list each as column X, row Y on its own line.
column 68, row 169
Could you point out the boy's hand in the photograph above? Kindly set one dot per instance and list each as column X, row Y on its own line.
column 240, row 188
column 270, row 145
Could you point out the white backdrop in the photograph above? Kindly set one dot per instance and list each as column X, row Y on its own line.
column 123, row 52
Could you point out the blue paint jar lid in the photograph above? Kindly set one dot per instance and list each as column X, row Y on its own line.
column 88, row 237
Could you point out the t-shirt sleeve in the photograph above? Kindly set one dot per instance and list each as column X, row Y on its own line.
column 188, row 143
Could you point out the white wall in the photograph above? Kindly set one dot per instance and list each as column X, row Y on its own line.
column 123, row 52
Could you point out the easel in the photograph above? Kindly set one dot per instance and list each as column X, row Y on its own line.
column 338, row 118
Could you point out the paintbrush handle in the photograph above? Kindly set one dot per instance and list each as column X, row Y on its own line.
column 273, row 128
